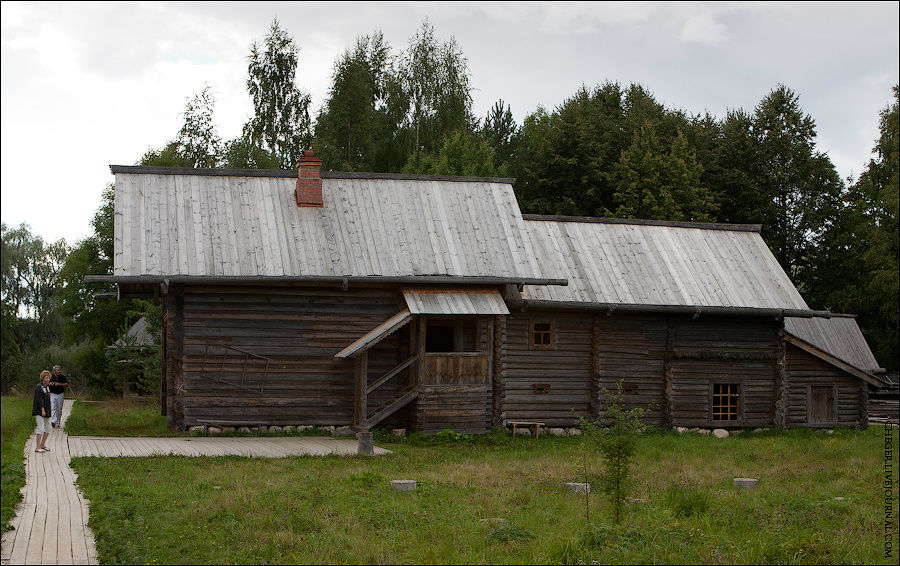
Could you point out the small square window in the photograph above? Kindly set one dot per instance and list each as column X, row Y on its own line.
column 541, row 334
column 726, row 402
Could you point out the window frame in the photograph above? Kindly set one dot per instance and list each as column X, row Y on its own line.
column 550, row 332
column 740, row 403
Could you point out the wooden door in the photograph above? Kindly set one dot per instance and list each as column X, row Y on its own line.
column 821, row 404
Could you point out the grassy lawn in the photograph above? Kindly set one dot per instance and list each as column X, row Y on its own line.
column 17, row 425
column 131, row 416
column 502, row 500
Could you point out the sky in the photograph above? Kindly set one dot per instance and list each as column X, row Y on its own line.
column 86, row 85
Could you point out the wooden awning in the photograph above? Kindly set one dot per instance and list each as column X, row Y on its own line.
column 454, row 301
column 375, row 335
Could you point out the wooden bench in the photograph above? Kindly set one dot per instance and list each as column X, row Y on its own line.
column 530, row 424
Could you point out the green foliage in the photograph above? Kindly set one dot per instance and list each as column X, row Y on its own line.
column 322, row 510
column 359, row 126
column 281, row 122
column 199, row 143
column 17, row 426
column 507, row 532
column 651, row 183
column 241, row 153
column 461, row 154
column 435, row 79
column 615, row 435
column 501, row 133
column 685, row 501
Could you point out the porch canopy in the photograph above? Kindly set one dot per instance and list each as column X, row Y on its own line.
column 430, row 300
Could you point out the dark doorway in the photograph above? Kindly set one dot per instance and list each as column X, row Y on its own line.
column 439, row 338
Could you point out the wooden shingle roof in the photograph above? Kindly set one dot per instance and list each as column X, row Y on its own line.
column 647, row 263
column 839, row 336
column 221, row 223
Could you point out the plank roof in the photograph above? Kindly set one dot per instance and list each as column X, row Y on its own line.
column 622, row 262
column 839, row 336
column 454, row 301
column 229, row 223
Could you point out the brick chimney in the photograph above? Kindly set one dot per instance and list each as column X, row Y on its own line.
column 309, row 182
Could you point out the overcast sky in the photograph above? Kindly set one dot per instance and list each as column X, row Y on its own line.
column 88, row 85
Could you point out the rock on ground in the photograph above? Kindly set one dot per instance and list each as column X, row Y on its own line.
column 404, row 485
column 575, row 487
column 746, row 483
column 556, row 431
column 574, row 432
column 720, row 433
column 343, row 431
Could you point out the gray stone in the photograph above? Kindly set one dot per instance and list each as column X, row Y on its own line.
column 746, row 483
column 261, row 429
column 704, row 431
column 841, row 498
column 829, row 431
column 556, row 431
column 288, row 429
column 759, row 430
column 328, row 428
column 399, row 431
column 637, row 500
column 523, row 432
column 214, row 430
column 574, row 432
column 364, row 443
column 404, row 485
column 343, row 431
column 302, row 427
column 493, row 520
column 228, row 429
column 680, row 429
column 244, row 429
column 575, row 487
column 276, row 429
column 197, row 429
column 720, row 433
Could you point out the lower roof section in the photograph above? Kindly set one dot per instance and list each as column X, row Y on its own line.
column 453, row 301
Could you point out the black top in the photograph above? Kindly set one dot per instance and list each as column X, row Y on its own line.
column 58, row 388
column 41, row 399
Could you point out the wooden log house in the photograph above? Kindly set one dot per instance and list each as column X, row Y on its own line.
column 432, row 302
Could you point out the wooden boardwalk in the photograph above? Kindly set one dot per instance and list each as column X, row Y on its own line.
column 50, row 526
column 261, row 447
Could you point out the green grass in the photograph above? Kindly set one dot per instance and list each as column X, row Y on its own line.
column 501, row 500
column 17, row 425
column 131, row 416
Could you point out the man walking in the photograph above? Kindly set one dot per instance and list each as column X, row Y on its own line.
column 58, row 384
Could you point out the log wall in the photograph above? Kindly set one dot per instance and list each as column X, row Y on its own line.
column 805, row 370
column 299, row 329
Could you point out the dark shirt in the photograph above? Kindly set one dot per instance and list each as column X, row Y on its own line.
column 41, row 399
column 58, row 388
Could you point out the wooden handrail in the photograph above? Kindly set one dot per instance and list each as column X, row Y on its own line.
column 391, row 373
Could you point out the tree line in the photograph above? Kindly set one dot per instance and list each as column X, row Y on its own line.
column 607, row 150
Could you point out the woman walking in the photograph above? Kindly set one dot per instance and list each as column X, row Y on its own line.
column 40, row 409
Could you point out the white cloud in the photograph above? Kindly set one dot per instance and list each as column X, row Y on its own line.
column 703, row 28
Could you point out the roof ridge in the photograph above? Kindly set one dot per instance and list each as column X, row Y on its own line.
column 645, row 222
column 291, row 173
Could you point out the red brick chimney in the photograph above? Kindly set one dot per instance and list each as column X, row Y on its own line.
column 309, row 182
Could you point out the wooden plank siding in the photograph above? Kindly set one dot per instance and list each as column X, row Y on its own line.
column 592, row 352
column 299, row 329
column 565, row 367
column 805, row 371
column 723, row 350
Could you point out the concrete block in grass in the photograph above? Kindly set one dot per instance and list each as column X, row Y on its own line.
column 403, row 485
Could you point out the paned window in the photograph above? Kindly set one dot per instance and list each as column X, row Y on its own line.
column 541, row 334
column 726, row 402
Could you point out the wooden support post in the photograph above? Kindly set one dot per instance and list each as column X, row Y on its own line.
column 863, row 421
column 163, row 385
column 362, row 384
column 780, row 410
column 596, row 406
column 421, row 347
column 497, row 372
column 668, row 418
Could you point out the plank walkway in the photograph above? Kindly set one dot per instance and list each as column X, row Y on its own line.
column 50, row 526
column 265, row 447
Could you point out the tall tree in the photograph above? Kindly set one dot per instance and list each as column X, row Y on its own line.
column 652, row 182
column 800, row 185
column 501, row 132
column 281, row 121
column 358, row 126
column 199, row 142
column 435, row 78
column 462, row 154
